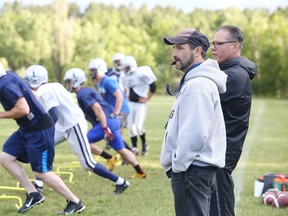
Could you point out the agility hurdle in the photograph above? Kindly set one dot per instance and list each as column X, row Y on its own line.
column 17, row 188
column 71, row 166
column 4, row 196
column 71, row 175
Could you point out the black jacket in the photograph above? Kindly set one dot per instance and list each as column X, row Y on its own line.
column 236, row 104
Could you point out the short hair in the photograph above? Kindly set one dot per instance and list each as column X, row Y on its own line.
column 234, row 33
column 192, row 46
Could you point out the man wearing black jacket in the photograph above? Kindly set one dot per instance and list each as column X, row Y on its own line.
column 236, row 104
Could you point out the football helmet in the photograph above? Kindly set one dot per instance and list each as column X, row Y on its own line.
column 36, row 75
column 129, row 64
column 74, row 76
column 97, row 67
column 2, row 70
column 117, row 61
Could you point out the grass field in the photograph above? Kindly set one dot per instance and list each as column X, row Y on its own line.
column 265, row 151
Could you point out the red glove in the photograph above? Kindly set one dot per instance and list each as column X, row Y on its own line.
column 108, row 134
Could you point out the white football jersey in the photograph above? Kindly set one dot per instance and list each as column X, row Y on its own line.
column 55, row 95
column 117, row 76
column 139, row 80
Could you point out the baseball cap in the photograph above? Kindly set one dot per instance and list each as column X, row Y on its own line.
column 189, row 36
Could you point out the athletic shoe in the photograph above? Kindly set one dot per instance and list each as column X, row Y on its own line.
column 145, row 149
column 120, row 188
column 72, row 207
column 138, row 175
column 111, row 163
column 34, row 198
column 38, row 188
column 118, row 159
column 135, row 150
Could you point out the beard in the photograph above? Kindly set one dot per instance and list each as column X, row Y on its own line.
column 183, row 65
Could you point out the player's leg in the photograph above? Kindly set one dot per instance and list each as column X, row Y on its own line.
column 140, row 117
column 123, row 124
column 41, row 155
column 131, row 158
column 118, row 145
column 16, row 171
column 10, row 163
column 131, row 128
column 58, row 138
column 81, row 147
column 14, row 148
column 94, row 135
column 79, row 143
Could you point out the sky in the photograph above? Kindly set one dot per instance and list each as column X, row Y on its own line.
column 185, row 5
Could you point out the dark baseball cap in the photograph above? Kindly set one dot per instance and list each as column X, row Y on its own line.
column 189, row 36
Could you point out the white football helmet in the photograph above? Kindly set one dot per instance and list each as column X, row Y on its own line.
column 117, row 61
column 129, row 64
column 97, row 67
column 2, row 70
column 75, row 76
column 36, row 75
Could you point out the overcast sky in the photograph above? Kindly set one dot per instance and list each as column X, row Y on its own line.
column 185, row 5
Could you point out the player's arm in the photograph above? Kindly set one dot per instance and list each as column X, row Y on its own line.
column 99, row 113
column 152, row 90
column 53, row 114
column 119, row 101
column 102, row 118
column 20, row 109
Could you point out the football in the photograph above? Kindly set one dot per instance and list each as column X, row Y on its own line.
column 281, row 201
column 269, row 197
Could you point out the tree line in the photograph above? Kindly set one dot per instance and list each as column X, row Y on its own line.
column 61, row 36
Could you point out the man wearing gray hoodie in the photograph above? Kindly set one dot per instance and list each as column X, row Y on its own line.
column 194, row 144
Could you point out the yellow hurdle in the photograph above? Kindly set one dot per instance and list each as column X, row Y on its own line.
column 12, row 188
column 71, row 166
column 71, row 175
column 3, row 196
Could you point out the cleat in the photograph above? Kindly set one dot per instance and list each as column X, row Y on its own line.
column 38, row 188
column 120, row 188
column 118, row 159
column 34, row 198
column 135, row 150
column 111, row 163
column 145, row 150
column 138, row 175
column 72, row 207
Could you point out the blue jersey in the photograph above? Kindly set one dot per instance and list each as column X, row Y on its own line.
column 12, row 87
column 107, row 87
column 86, row 97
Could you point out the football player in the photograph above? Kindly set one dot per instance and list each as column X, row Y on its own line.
column 139, row 84
column 100, row 114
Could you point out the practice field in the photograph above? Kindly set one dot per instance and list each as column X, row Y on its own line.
column 265, row 151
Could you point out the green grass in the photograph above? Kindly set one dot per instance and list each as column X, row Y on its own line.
column 265, row 151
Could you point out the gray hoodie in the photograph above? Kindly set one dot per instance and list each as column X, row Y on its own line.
column 195, row 131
